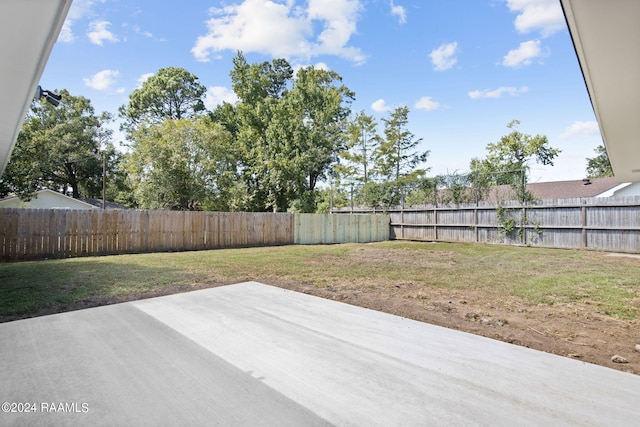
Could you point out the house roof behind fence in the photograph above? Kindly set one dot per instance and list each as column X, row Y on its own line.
column 578, row 188
column 107, row 204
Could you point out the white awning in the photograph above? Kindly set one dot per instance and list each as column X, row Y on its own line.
column 28, row 31
column 606, row 36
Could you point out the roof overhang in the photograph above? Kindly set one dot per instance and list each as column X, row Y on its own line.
column 605, row 35
column 28, row 31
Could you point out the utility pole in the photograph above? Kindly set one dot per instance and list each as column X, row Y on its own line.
column 104, row 179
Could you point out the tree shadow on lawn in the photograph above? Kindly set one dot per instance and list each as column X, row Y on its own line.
column 38, row 288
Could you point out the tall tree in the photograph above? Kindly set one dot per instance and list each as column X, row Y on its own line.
column 397, row 162
column 599, row 166
column 288, row 130
column 397, row 154
column 259, row 88
column 308, row 129
column 397, row 159
column 186, row 164
column 362, row 139
column 59, row 148
column 171, row 93
column 507, row 161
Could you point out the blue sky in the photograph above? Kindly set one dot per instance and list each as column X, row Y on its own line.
column 465, row 68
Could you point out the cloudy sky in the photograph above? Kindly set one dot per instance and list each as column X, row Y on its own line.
column 465, row 68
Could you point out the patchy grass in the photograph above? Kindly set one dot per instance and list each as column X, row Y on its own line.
column 540, row 276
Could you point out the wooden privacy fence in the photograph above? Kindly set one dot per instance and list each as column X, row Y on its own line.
column 60, row 233
column 317, row 229
column 607, row 224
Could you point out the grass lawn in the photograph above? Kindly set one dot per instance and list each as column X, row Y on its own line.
column 540, row 276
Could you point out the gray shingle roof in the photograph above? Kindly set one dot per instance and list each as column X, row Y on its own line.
column 579, row 188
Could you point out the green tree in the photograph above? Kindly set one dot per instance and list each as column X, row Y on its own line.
column 507, row 161
column 599, row 166
column 288, row 130
column 362, row 141
column 397, row 157
column 59, row 148
column 186, row 164
column 307, row 130
column 259, row 88
column 118, row 185
column 171, row 93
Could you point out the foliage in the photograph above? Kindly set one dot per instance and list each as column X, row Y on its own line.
column 599, row 166
column 258, row 87
column 171, row 93
column 186, row 164
column 118, row 188
column 396, row 155
column 361, row 140
column 310, row 121
column 425, row 190
column 382, row 170
column 506, row 220
column 288, row 130
column 331, row 197
column 511, row 223
column 60, row 148
column 384, row 194
column 507, row 160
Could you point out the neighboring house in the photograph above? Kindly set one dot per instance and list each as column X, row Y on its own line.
column 46, row 199
column 579, row 188
column 627, row 189
column 107, row 204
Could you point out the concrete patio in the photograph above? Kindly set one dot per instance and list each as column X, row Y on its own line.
column 252, row 354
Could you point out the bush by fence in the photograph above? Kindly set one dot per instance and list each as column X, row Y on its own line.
column 60, row 233
column 610, row 224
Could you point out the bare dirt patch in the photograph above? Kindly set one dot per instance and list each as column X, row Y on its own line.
column 570, row 330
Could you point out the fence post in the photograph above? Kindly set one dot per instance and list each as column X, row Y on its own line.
column 475, row 222
column 435, row 223
column 524, row 224
column 583, row 214
column 402, row 218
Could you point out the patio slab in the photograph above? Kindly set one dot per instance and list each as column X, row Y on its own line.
column 252, row 354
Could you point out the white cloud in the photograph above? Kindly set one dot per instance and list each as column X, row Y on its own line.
column 317, row 66
column 443, row 58
column 99, row 33
column 578, row 129
column 102, row 80
column 379, row 106
column 426, row 103
column 497, row 93
column 216, row 95
column 538, row 15
column 321, row 66
column 78, row 10
column 523, row 55
column 143, row 78
column 141, row 32
column 399, row 11
column 282, row 29
column 66, row 33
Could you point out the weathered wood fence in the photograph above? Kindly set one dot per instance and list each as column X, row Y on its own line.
column 608, row 224
column 60, row 233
